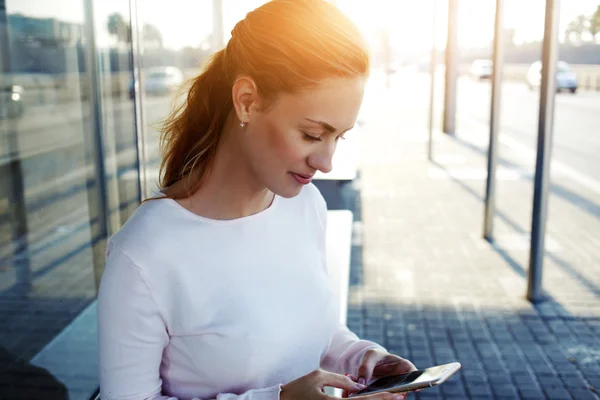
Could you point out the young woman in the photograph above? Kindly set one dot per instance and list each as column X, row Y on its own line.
column 217, row 288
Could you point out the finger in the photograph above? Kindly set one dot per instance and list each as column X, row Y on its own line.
column 365, row 371
column 338, row 381
column 345, row 393
column 401, row 366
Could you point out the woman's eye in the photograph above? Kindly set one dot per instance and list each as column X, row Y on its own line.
column 311, row 138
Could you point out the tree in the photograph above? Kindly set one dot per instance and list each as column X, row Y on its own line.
column 152, row 36
column 119, row 28
column 594, row 27
column 576, row 28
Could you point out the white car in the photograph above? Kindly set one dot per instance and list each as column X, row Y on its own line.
column 162, row 80
column 481, row 69
column 565, row 78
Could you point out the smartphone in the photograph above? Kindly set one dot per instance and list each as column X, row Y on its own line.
column 411, row 381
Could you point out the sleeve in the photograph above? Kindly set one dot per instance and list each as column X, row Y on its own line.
column 346, row 351
column 132, row 335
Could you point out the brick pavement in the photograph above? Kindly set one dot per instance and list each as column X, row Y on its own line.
column 426, row 285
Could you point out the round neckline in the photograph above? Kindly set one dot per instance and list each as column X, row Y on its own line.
column 213, row 221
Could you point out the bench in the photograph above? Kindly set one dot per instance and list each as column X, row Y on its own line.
column 339, row 246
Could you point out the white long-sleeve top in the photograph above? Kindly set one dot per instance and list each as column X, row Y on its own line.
column 195, row 308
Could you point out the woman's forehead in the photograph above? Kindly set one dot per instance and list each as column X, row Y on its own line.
column 333, row 101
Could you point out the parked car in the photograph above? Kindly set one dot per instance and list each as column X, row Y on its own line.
column 162, row 80
column 159, row 81
column 565, row 78
column 12, row 102
column 481, row 69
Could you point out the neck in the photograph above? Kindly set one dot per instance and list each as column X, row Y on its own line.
column 230, row 190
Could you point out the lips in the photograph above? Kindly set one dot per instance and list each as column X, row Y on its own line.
column 301, row 178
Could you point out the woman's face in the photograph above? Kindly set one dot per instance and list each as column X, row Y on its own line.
column 297, row 135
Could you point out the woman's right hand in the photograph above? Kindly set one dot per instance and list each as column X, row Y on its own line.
column 310, row 387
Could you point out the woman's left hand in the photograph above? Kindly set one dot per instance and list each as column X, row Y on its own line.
column 377, row 364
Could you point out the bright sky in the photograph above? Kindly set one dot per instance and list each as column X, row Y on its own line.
column 410, row 22
column 187, row 23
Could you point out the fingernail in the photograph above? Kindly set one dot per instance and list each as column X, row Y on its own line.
column 361, row 381
column 399, row 397
column 360, row 386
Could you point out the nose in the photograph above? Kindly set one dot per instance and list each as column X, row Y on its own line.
column 321, row 159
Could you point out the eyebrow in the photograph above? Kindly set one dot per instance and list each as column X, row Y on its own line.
column 325, row 125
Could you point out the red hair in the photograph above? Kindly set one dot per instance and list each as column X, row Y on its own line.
column 284, row 46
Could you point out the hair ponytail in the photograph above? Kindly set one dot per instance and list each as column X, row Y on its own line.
column 191, row 132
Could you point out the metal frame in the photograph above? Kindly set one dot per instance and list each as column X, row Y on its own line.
column 100, row 203
column 138, row 102
column 498, row 61
column 544, row 146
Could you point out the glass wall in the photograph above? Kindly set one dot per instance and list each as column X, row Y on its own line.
column 76, row 129
column 66, row 139
column 49, row 184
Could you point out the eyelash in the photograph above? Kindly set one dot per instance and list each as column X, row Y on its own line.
column 311, row 138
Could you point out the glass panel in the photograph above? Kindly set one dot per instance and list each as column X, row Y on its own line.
column 67, row 154
column 46, row 278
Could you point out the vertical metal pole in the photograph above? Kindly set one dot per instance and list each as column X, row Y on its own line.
column 218, row 30
column 99, row 203
column 138, row 101
column 544, row 146
column 451, row 69
column 13, row 169
column 498, row 61
column 432, row 82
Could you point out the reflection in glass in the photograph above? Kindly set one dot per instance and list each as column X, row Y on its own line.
column 59, row 160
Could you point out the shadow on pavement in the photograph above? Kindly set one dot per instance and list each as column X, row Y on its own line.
column 576, row 200
column 519, row 269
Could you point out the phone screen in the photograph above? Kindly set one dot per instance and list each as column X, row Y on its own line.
column 392, row 381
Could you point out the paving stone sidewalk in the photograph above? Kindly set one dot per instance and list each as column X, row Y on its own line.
column 428, row 287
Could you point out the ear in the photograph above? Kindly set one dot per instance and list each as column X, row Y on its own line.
column 245, row 98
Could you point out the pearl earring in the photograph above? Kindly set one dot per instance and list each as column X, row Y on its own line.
column 242, row 124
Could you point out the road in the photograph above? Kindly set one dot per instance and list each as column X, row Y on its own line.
column 576, row 137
